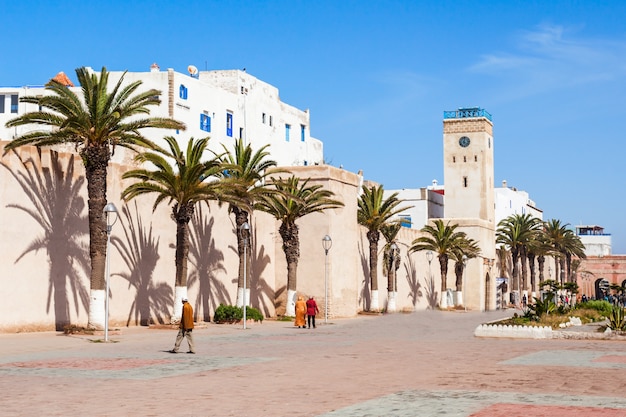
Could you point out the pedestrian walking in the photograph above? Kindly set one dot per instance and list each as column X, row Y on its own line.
column 300, row 313
column 186, row 328
column 311, row 311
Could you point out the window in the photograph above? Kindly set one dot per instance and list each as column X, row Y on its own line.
column 287, row 130
column 263, row 118
column 465, row 159
column 475, row 158
column 454, row 159
column 306, row 163
column 302, row 132
column 1, row 103
column 205, row 122
column 271, row 121
column 465, row 182
column 229, row 124
column 182, row 92
column 13, row 103
column 241, row 132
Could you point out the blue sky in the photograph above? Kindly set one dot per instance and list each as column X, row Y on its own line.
column 377, row 76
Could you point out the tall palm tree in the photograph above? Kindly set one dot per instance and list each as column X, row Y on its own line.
column 537, row 248
column 391, row 261
column 182, row 185
column 249, row 170
column 374, row 211
column 295, row 199
column 467, row 249
column 442, row 239
column 95, row 123
column 555, row 232
column 572, row 248
column 515, row 232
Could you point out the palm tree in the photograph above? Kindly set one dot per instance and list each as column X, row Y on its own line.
column 391, row 261
column 94, row 123
column 467, row 249
column 295, row 199
column 554, row 233
column 374, row 212
column 249, row 170
column 443, row 240
column 572, row 247
column 515, row 232
column 184, row 185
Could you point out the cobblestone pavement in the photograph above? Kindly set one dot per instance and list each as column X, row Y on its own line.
column 420, row 364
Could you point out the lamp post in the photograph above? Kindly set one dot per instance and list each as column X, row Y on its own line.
column 110, row 214
column 429, row 258
column 245, row 231
column 464, row 259
column 327, row 243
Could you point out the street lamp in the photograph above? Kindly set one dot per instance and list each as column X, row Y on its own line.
column 464, row 259
column 245, row 231
column 327, row 243
column 429, row 258
column 111, row 216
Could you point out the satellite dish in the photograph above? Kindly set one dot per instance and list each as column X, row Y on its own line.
column 192, row 70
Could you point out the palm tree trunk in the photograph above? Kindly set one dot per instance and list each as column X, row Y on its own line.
column 182, row 215
column 443, row 268
column 373, row 237
column 241, row 217
column 291, row 248
column 96, row 175
column 391, row 284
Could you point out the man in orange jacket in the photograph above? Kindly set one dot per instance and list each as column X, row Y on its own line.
column 186, row 328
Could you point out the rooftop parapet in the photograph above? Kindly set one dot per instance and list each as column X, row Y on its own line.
column 467, row 112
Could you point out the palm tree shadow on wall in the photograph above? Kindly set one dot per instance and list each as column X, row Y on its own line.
column 415, row 288
column 431, row 292
column 57, row 207
column 207, row 262
column 139, row 251
column 262, row 295
column 364, row 297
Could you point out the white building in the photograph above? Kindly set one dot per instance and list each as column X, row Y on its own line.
column 428, row 203
column 224, row 105
column 597, row 243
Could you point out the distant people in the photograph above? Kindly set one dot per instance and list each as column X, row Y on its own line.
column 524, row 301
column 186, row 328
column 300, row 313
column 584, row 299
column 311, row 311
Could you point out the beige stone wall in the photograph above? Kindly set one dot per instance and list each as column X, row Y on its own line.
column 44, row 250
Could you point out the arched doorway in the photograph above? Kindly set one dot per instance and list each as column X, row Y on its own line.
column 601, row 288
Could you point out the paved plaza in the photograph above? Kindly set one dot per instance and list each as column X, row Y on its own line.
column 419, row 364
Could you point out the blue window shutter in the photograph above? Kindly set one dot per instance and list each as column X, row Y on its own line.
column 182, row 92
column 229, row 124
column 205, row 123
column 287, row 129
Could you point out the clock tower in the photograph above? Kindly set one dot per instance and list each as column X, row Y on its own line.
column 469, row 199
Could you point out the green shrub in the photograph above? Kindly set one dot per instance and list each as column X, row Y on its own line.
column 234, row 314
column 602, row 306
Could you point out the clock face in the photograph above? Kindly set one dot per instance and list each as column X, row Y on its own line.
column 464, row 141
